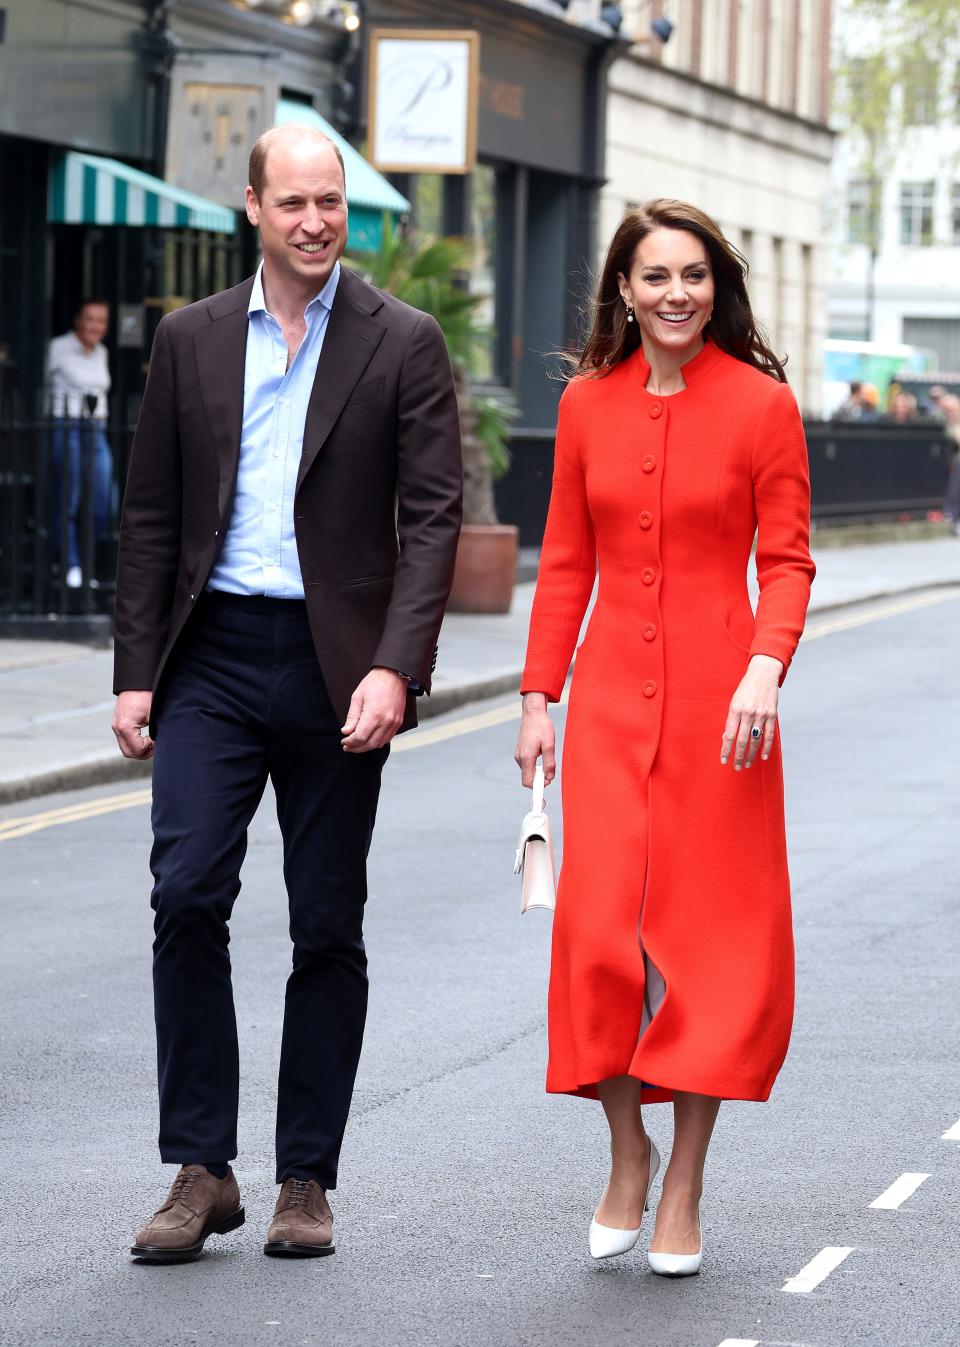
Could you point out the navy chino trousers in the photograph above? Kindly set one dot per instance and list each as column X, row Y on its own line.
column 246, row 701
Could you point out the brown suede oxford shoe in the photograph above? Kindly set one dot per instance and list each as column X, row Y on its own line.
column 302, row 1225
column 198, row 1204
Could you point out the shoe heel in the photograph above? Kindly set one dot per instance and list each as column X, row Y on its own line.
column 231, row 1223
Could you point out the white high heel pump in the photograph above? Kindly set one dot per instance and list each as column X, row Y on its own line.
column 677, row 1264
column 606, row 1241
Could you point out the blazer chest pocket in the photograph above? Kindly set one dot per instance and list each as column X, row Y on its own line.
column 367, row 391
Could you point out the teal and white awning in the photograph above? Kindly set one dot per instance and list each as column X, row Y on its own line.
column 369, row 195
column 87, row 189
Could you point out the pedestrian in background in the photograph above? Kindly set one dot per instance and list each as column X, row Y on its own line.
column 947, row 409
column 903, row 409
column 271, row 623
column 78, row 382
column 672, row 965
column 855, row 407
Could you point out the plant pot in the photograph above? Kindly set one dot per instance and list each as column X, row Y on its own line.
column 486, row 569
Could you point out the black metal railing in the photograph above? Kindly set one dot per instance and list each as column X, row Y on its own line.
column 874, row 471
column 61, row 481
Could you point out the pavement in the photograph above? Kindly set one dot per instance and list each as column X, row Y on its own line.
column 56, row 705
column 465, row 1191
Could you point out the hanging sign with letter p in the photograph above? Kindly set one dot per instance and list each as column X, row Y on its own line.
column 423, row 100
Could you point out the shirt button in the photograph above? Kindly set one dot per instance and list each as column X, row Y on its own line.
column 649, row 575
column 656, row 410
column 649, row 632
column 646, row 519
column 648, row 463
column 650, row 688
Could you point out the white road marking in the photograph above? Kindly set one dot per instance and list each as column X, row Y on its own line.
column 952, row 1133
column 817, row 1270
column 898, row 1192
column 740, row 1342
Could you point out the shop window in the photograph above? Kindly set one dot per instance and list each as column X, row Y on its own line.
column 483, row 228
column 426, row 194
column 916, row 213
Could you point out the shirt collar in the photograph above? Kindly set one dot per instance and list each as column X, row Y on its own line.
column 326, row 296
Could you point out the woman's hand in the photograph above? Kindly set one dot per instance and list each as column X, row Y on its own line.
column 536, row 739
column 754, row 704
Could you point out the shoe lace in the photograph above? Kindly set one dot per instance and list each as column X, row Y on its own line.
column 182, row 1185
column 298, row 1193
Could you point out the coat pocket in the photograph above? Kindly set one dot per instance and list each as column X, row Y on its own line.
column 367, row 391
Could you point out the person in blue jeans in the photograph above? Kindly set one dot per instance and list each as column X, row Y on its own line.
column 78, row 381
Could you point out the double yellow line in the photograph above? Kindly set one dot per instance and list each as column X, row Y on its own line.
column 50, row 818
column 454, row 729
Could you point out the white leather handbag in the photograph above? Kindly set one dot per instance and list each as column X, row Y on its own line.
column 534, row 862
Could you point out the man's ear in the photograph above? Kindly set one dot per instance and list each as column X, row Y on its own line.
column 252, row 206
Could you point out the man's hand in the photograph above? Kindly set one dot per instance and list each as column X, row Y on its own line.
column 376, row 711
column 132, row 714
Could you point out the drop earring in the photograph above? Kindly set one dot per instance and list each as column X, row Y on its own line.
column 629, row 314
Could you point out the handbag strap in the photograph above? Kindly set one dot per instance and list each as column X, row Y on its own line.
column 539, row 784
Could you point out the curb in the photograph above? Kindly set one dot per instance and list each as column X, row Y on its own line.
column 112, row 768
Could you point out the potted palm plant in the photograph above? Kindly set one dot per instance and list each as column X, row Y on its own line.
column 429, row 273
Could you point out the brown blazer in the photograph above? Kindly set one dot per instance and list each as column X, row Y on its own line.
column 378, row 500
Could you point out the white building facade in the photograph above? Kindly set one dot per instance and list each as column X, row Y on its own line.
column 896, row 278
column 731, row 114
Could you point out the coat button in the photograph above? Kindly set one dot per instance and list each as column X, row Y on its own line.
column 649, row 632
column 656, row 410
column 193, row 598
column 648, row 575
column 650, row 688
column 646, row 519
column 648, row 463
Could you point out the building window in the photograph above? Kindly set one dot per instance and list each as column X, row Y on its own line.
column 861, row 213
column 916, row 213
column 920, row 93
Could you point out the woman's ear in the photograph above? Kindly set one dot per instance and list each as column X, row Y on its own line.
column 624, row 288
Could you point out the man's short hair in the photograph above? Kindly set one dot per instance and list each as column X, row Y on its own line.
column 257, row 172
column 855, row 387
column 94, row 301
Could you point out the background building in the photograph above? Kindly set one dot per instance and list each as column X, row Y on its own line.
column 895, row 218
column 731, row 113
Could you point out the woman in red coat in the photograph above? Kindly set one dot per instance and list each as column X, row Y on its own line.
column 672, row 973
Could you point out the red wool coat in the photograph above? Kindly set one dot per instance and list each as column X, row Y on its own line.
column 672, row 944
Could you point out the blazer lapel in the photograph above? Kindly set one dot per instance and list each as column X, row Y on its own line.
column 221, row 348
column 352, row 336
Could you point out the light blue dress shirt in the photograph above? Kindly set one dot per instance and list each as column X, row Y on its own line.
column 259, row 553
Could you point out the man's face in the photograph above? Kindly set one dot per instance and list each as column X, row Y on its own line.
column 302, row 217
column 91, row 324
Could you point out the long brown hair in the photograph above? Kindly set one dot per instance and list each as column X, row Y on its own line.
column 732, row 325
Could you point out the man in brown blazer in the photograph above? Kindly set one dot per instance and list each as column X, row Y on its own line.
column 289, row 531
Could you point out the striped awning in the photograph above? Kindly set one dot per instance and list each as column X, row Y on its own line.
column 87, row 189
column 369, row 195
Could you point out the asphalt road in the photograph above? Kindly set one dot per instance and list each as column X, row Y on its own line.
column 465, row 1191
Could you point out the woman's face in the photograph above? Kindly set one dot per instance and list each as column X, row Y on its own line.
column 670, row 289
